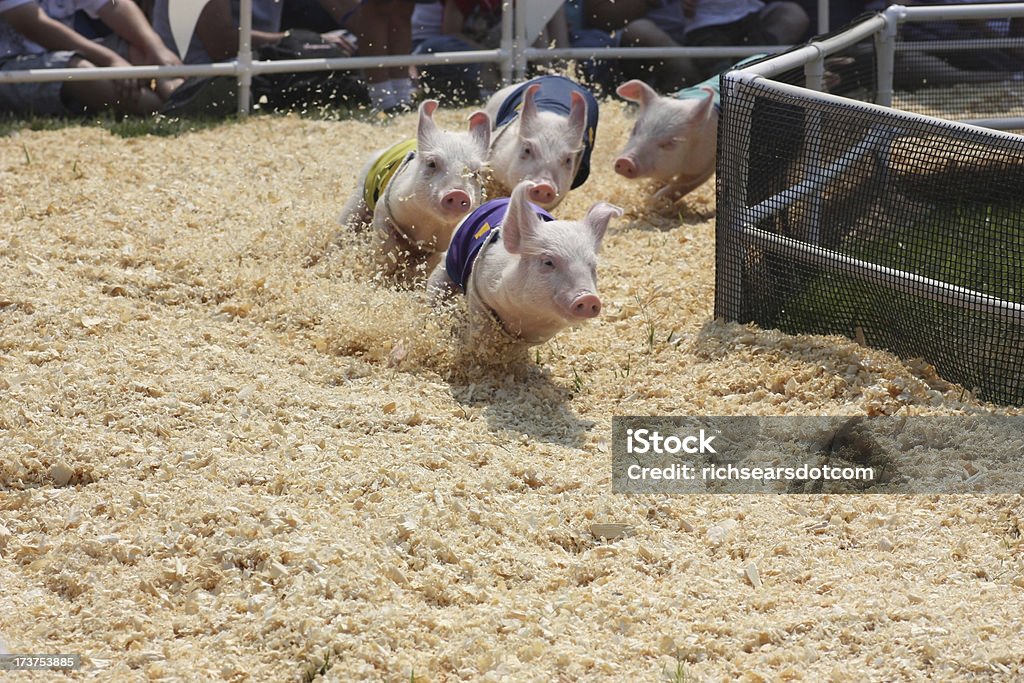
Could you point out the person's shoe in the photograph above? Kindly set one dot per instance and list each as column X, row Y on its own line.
column 213, row 96
column 401, row 108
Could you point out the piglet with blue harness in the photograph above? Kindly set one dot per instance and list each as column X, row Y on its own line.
column 523, row 270
column 544, row 132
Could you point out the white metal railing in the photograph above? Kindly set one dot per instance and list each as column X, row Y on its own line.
column 513, row 56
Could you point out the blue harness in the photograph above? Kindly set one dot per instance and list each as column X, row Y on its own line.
column 555, row 95
column 478, row 228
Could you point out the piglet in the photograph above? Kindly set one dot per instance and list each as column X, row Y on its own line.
column 530, row 274
column 674, row 138
column 544, row 132
column 415, row 192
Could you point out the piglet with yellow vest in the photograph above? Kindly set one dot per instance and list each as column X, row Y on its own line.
column 415, row 192
column 522, row 270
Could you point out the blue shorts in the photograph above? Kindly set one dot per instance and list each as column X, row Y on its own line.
column 43, row 99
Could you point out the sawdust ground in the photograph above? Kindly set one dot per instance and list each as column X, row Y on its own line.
column 226, row 452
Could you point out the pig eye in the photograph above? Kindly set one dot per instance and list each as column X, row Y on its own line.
column 548, row 262
column 527, row 152
column 567, row 161
column 667, row 144
column 431, row 164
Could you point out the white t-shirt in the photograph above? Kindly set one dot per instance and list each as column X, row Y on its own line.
column 718, row 12
column 13, row 43
column 426, row 21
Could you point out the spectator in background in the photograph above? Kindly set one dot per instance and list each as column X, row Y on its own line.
column 427, row 18
column 471, row 25
column 745, row 22
column 215, row 38
column 39, row 35
column 840, row 13
column 603, row 74
column 465, row 25
column 921, row 68
column 647, row 23
column 384, row 27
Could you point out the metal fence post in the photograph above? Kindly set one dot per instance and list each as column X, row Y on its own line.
column 885, row 53
column 244, row 57
column 507, row 41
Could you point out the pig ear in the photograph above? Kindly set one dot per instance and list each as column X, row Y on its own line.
column 528, row 114
column 426, row 130
column 520, row 221
column 577, row 117
column 480, row 128
column 706, row 104
column 598, row 217
column 636, row 91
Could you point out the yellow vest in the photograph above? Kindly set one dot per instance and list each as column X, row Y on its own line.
column 384, row 169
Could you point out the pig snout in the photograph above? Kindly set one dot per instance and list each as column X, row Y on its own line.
column 625, row 166
column 586, row 306
column 456, row 202
column 543, row 194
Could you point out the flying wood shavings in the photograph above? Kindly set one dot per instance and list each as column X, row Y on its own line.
column 227, row 451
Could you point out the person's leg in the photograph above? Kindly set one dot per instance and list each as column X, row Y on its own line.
column 458, row 83
column 373, row 27
column 307, row 14
column 786, row 22
column 164, row 86
column 400, row 43
column 604, row 74
column 671, row 73
column 712, row 35
column 35, row 99
column 122, row 96
column 916, row 70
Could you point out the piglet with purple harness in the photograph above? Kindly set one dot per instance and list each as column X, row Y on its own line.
column 530, row 274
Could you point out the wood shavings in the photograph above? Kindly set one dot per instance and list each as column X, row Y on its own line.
column 610, row 531
column 222, row 457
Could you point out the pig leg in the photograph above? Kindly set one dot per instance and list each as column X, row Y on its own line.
column 398, row 260
column 391, row 248
column 394, row 258
column 432, row 260
column 355, row 215
column 440, row 287
column 681, row 186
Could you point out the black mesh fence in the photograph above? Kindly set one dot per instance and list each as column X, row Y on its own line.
column 900, row 231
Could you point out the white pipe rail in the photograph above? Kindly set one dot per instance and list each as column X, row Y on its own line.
column 233, row 68
column 898, row 280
